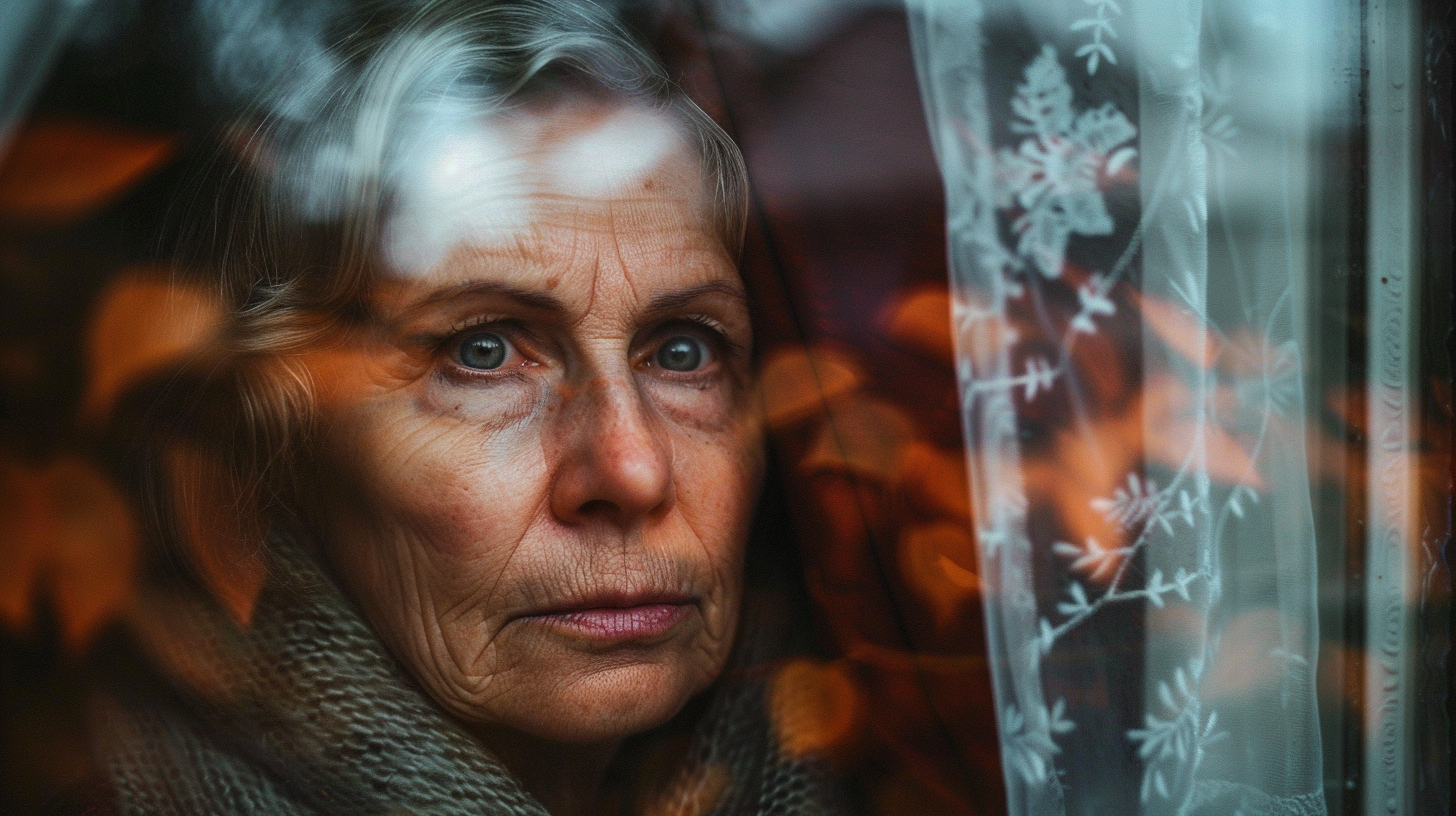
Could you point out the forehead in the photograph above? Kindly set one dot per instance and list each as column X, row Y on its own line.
column 553, row 199
column 492, row 182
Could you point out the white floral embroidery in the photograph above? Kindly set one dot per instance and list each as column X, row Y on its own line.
column 1101, row 26
column 1140, row 501
column 1029, row 743
column 1092, row 297
column 1131, row 504
column 1100, row 561
column 1038, row 374
column 1175, row 744
column 1219, row 128
column 1235, row 503
column 1053, row 177
column 1038, row 377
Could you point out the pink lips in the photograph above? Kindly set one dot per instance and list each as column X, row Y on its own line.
column 619, row 623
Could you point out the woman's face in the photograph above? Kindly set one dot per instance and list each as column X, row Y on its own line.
column 546, row 468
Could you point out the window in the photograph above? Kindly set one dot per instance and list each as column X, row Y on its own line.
column 1103, row 349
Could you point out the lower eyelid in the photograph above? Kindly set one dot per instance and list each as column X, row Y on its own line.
column 458, row 376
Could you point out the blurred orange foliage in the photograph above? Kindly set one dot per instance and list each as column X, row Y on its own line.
column 796, row 384
column 935, row 481
column 66, row 531
column 861, row 435
column 144, row 321
column 59, row 170
column 815, row 706
column 1180, row 328
column 920, row 319
column 890, row 564
column 936, row 560
column 220, row 529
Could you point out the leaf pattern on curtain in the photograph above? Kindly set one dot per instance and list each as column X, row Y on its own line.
column 1053, row 177
column 1132, row 396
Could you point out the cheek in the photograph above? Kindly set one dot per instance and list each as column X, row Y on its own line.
column 440, row 506
column 717, row 446
column 467, row 503
column 432, row 531
column 717, row 477
column 440, row 457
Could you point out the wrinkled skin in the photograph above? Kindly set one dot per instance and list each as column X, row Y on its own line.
column 579, row 472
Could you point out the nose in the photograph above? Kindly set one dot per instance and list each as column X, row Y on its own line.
column 614, row 463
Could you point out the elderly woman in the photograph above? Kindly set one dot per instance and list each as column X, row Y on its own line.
column 482, row 433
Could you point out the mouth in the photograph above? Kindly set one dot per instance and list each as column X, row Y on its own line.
column 618, row 619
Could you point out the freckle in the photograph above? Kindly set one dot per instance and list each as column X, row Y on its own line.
column 648, row 184
column 551, row 284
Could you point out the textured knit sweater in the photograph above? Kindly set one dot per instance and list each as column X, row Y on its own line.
column 305, row 712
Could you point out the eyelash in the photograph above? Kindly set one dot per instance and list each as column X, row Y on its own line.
column 710, row 331
column 717, row 333
column 456, row 331
column 444, row 345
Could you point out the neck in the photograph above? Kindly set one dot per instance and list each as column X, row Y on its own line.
column 566, row 779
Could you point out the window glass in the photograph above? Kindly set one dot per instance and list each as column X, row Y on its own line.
column 986, row 406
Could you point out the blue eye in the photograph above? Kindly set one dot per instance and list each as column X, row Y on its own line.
column 681, row 353
column 483, row 351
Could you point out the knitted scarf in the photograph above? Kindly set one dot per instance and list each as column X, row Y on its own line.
column 305, row 712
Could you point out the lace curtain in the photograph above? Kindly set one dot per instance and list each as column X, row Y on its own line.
column 1127, row 197
column 31, row 34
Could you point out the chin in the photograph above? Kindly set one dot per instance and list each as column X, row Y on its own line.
column 609, row 702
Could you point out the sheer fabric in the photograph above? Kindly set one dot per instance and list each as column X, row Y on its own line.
column 1127, row 235
column 31, row 34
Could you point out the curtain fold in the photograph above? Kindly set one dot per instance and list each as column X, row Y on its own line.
column 32, row 33
column 1128, row 238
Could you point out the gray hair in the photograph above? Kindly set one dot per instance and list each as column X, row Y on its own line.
column 336, row 142
column 297, row 240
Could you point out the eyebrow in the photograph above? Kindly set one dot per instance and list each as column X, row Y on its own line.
column 540, row 301
column 676, row 300
column 526, row 297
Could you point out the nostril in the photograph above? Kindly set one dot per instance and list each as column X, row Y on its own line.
column 597, row 507
column 614, row 466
